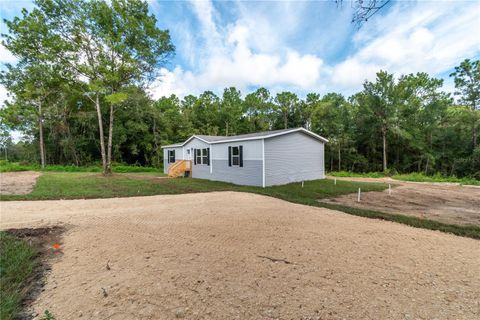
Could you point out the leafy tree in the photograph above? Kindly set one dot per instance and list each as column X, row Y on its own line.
column 231, row 110
column 285, row 105
column 107, row 45
column 467, row 83
column 258, row 106
column 32, row 85
column 379, row 102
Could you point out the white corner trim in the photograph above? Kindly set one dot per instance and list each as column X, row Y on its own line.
column 263, row 163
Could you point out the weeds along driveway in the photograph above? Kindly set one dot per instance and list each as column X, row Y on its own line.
column 229, row 255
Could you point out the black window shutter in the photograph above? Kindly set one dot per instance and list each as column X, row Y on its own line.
column 208, row 156
column 168, row 156
column 240, row 150
column 229, row 156
column 195, row 156
column 173, row 155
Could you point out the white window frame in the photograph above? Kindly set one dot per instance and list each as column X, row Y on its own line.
column 201, row 156
column 204, row 156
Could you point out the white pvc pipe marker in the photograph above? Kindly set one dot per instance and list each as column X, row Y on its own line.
column 335, row 181
column 389, row 189
column 358, row 199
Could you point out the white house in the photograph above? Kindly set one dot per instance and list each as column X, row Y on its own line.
column 257, row 159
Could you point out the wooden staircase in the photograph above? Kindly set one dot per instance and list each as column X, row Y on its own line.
column 179, row 168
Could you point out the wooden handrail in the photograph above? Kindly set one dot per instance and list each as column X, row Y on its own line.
column 179, row 168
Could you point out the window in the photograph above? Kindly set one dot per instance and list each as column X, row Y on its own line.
column 204, row 156
column 171, row 156
column 198, row 156
column 235, row 156
column 188, row 151
column 201, row 156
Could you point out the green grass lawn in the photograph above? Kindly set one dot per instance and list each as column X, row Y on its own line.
column 75, row 185
column 17, row 262
column 79, row 185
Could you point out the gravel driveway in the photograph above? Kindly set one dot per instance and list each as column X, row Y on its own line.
column 228, row 255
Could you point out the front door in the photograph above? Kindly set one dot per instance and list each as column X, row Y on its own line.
column 189, row 155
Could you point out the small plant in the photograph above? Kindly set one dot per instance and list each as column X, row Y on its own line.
column 47, row 315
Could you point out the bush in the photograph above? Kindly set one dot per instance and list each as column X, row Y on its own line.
column 6, row 166
column 356, row 175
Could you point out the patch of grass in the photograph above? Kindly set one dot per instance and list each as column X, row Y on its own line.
column 356, row 175
column 75, row 185
column 47, row 315
column 6, row 166
column 414, row 177
column 418, row 177
column 17, row 262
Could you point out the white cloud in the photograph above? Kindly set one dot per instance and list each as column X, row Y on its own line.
column 6, row 56
column 410, row 37
column 425, row 37
column 232, row 61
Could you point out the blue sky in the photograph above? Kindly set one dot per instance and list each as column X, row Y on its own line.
column 302, row 46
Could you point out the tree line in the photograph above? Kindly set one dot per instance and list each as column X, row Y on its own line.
column 78, row 92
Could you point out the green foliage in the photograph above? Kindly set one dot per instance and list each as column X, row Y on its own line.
column 396, row 124
column 414, row 177
column 6, row 166
column 17, row 261
column 356, row 174
column 75, row 185
column 467, row 82
column 418, row 177
column 47, row 315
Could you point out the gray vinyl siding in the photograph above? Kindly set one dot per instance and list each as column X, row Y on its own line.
column 178, row 156
column 252, row 149
column 250, row 174
column 293, row 157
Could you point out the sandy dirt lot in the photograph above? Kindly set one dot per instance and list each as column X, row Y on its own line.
column 228, row 255
column 18, row 182
column 444, row 202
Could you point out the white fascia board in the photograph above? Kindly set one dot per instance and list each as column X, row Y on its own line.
column 178, row 145
column 171, row 146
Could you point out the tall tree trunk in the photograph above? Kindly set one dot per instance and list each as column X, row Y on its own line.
column 40, row 129
column 285, row 120
column 110, row 138
column 100, row 130
column 426, row 165
column 331, row 161
column 384, row 138
column 155, row 142
column 474, row 135
column 339, row 158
